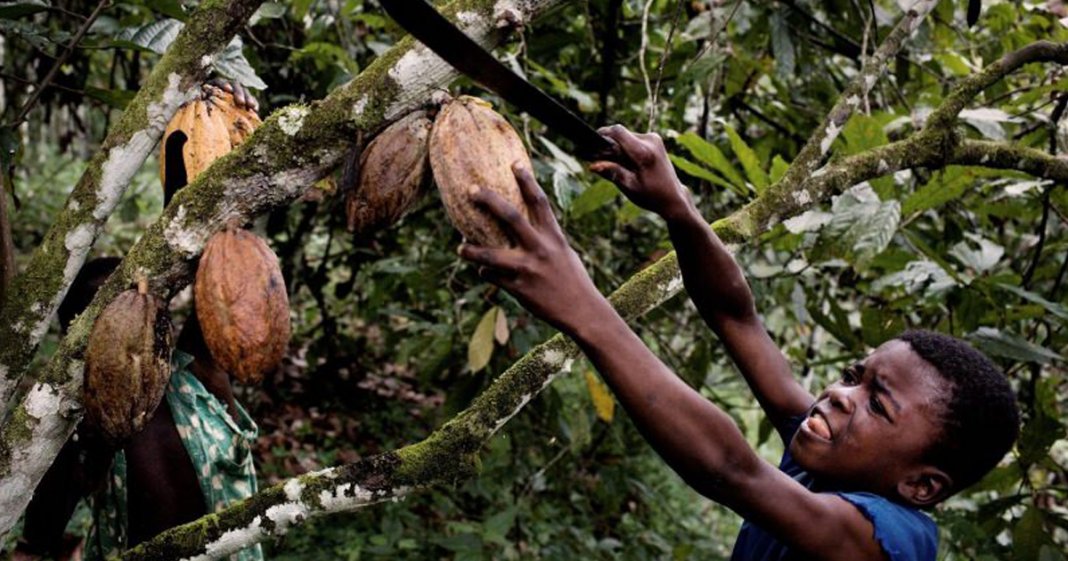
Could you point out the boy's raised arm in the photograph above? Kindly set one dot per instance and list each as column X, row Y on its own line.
column 700, row 442
column 713, row 280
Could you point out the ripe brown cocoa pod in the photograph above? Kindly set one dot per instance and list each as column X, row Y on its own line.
column 472, row 147
column 127, row 364
column 213, row 126
column 392, row 174
column 242, row 305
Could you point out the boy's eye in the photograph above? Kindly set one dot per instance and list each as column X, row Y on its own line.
column 849, row 376
column 877, row 406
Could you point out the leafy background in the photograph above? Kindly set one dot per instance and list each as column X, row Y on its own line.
column 393, row 334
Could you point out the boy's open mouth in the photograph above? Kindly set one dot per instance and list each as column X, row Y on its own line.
column 817, row 423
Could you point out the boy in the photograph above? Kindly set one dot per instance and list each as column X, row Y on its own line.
column 919, row 419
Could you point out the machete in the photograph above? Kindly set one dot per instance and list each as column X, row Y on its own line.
column 443, row 38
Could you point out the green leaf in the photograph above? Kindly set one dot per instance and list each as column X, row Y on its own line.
column 1044, row 427
column 707, row 154
column 325, row 55
column 154, row 37
column 749, row 159
column 979, row 259
column 495, row 528
column 171, row 8
column 778, row 168
column 864, row 132
column 945, row 186
column 268, row 10
column 480, row 348
column 565, row 169
column 628, row 213
column 594, row 197
column 782, row 45
column 690, row 168
column 231, row 62
column 874, row 235
column 14, row 10
column 860, row 228
column 1029, row 535
column 118, row 99
column 1058, row 310
column 999, row 343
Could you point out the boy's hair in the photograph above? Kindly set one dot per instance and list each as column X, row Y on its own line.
column 981, row 419
column 82, row 290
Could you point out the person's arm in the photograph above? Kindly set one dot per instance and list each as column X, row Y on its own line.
column 79, row 464
column 713, row 280
column 700, row 442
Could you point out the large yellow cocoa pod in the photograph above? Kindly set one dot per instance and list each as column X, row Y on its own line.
column 127, row 364
column 392, row 174
column 242, row 305
column 213, row 126
column 472, row 147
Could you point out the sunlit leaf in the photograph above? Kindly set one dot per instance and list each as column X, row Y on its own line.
column 699, row 172
column 603, row 402
column 750, row 162
column 594, row 197
column 500, row 328
column 480, row 347
column 707, row 154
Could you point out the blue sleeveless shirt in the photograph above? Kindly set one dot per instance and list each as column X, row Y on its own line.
column 904, row 533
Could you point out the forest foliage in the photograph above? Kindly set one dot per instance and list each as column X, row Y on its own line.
column 393, row 334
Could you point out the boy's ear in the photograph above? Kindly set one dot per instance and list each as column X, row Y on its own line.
column 925, row 487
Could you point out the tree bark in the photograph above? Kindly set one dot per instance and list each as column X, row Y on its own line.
column 36, row 293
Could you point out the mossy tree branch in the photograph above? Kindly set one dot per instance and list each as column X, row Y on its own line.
column 819, row 144
column 449, row 454
column 290, row 151
column 35, row 294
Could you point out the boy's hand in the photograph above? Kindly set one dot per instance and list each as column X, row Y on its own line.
column 243, row 99
column 541, row 271
column 648, row 178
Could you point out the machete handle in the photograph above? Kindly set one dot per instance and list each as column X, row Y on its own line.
column 607, row 150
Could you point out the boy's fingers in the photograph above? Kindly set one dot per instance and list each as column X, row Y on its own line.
column 507, row 214
column 615, row 173
column 240, row 97
column 537, row 202
column 502, row 260
column 630, row 145
column 496, row 277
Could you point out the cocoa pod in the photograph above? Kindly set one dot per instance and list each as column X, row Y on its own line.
column 472, row 147
column 392, row 174
column 241, row 304
column 213, row 126
column 127, row 364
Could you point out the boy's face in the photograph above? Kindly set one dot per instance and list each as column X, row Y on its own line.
column 870, row 430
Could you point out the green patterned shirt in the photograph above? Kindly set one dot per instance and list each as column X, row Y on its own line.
column 219, row 447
